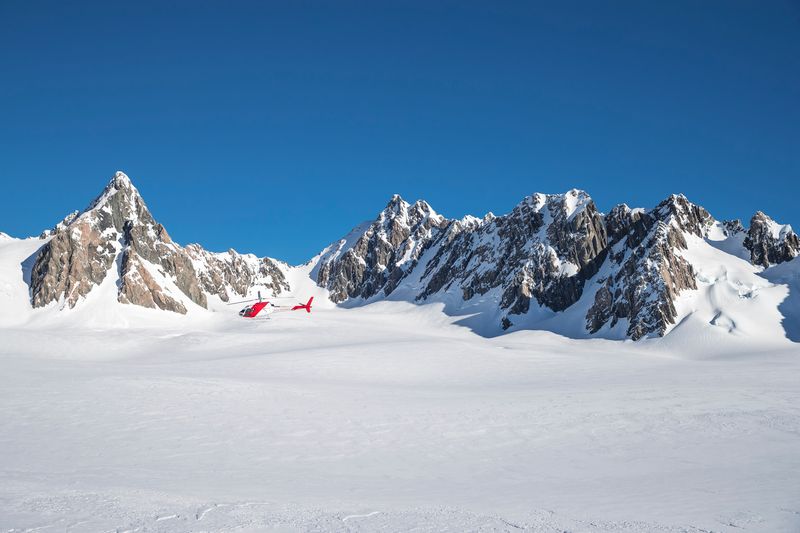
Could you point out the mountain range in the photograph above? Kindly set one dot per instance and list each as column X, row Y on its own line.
column 555, row 262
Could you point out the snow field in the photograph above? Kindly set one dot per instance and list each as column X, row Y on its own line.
column 383, row 417
column 394, row 416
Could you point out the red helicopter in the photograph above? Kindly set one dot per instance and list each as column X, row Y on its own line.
column 266, row 307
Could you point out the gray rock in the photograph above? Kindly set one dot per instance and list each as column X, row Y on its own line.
column 117, row 231
column 231, row 274
column 732, row 227
column 383, row 254
column 137, row 286
column 544, row 250
column 547, row 252
column 770, row 243
column 75, row 260
column 646, row 272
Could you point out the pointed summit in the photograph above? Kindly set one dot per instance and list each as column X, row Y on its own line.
column 118, row 182
column 379, row 254
column 122, row 182
column 121, row 177
column 85, row 246
column 110, row 237
column 677, row 210
column 423, row 205
column 116, row 240
column 119, row 202
column 574, row 201
column 396, row 203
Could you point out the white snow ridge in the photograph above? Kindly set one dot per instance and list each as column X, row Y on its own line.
column 478, row 374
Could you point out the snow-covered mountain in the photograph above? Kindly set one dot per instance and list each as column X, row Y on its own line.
column 770, row 243
column 554, row 262
column 376, row 257
column 117, row 239
column 557, row 263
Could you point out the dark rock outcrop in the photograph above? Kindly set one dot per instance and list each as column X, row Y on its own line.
column 770, row 243
column 386, row 251
column 232, row 274
column 645, row 269
column 544, row 250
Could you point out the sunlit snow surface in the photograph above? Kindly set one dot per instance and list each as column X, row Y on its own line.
column 384, row 417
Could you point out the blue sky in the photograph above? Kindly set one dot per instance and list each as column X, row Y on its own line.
column 274, row 127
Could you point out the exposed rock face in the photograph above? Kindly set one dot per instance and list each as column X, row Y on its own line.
column 733, row 227
column 544, row 253
column 138, row 286
column 116, row 235
column 624, row 270
column 770, row 243
column 84, row 247
column 645, row 271
column 545, row 249
column 73, row 262
column 232, row 274
column 386, row 251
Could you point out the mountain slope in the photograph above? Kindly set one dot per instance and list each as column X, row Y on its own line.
column 361, row 266
column 117, row 236
column 554, row 262
column 647, row 271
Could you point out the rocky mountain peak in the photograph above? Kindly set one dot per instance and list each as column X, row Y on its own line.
column 619, row 273
column 688, row 217
column 396, row 204
column 422, row 206
column 119, row 183
column 770, row 243
column 763, row 221
column 620, row 222
column 120, row 205
column 122, row 179
column 116, row 236
column 562, row 206
column 574, row 201
column 375, row 260
column 542, row 251
column 646, row 270
column 405, row 213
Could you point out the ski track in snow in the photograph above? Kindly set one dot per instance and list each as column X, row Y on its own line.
column 351, row 516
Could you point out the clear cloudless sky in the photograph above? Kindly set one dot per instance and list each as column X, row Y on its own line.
column 275, row 127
